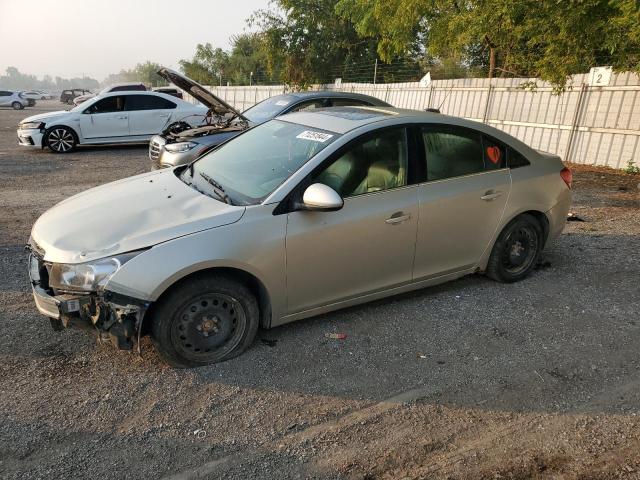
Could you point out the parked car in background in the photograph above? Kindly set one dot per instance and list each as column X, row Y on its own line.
column 32, row 94
column 118, row 117
column 67, row 96
column 118, row 87
column 169, row 91
column 301, row 215
column 13, row 99
column 44, row 95
column 179, row 145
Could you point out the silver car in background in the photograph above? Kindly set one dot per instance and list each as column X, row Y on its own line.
column 304, row 214
column 180, row 143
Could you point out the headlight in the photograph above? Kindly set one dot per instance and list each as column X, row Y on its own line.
column 31, row 125
column 90, row 276
column 180, row 147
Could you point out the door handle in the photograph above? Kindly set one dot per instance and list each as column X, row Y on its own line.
column 490, row 195
column 397, row 217
column 122, row 118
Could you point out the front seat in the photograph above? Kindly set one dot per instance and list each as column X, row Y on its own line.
column 342, row 174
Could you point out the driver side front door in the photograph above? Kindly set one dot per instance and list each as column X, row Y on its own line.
column 368, row 245
column 105, row 118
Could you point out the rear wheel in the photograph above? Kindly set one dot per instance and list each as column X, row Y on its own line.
column 60, row 139
column 17, row 106
column 205, row 320
column 516, row 251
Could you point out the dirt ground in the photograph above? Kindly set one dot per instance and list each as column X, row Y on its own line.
column 468, row 380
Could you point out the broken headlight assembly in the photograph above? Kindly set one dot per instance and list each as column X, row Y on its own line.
column 180, row 147
column 31, row 125
column 87, row 277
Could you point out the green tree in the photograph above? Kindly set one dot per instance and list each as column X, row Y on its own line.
column 306, row 42
column 541, row 38
column 208, row 66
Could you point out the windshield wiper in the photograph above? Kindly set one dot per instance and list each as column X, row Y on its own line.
column 217, row 188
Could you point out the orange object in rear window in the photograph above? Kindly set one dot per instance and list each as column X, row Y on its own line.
column 494, row 155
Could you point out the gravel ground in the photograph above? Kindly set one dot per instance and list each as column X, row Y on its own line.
column 472, row 379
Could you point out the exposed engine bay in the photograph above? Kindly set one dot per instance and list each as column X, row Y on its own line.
column 181, row 131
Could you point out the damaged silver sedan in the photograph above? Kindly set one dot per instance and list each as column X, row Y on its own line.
column 301, row 215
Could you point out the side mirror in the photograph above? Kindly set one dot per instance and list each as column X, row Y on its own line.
column 319, row 196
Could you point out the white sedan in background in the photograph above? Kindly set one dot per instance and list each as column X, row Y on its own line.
column 118, row 117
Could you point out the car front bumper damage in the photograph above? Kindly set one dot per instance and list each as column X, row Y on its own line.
column 109, row 315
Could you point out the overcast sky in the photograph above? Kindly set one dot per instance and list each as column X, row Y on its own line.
column 97, row 37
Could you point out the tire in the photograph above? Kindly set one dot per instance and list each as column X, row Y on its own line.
column 70, row 101
column 205, row 320
column 17, row 106
column 43, row 98
column 60, row 139
column 517, row 250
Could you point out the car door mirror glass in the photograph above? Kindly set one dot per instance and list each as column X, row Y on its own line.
column 319, row 196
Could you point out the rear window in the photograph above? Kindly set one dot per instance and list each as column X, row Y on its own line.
column 516, row 159
column 148, row 102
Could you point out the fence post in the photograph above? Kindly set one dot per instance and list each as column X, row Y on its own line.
column 487, row 106
column 386, row 94
column 574, row 123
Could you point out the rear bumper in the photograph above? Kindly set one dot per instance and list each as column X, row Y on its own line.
column 557, row 216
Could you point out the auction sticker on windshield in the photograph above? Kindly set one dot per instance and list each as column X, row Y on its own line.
column 315, row 136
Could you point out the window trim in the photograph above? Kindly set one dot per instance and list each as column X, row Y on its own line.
column 287, row 205
column 86, row 110
column 445, row 126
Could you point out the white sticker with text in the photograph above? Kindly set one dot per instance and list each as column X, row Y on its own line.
column 282, row 103
column 315, row 136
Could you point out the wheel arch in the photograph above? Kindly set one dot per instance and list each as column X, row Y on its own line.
column 255, row 285
column 57, row 125
column 540, row 216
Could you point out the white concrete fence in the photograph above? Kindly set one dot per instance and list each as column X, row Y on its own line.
column 597, row 125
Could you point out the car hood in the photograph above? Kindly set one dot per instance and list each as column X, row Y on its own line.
column 43, row 117
column 197, row 91
column 130, row 214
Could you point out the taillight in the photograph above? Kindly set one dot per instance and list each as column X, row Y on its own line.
column 567, row 176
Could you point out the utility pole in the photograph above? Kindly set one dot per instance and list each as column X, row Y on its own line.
column 375, row 71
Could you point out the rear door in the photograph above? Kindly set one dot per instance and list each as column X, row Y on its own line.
column 148, row 114
column 462, row 199
column 105, row 118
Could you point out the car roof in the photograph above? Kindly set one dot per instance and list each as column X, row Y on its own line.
column 332, row 94
column 344, row 119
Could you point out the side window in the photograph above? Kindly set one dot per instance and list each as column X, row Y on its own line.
column 516, row 159
column 376, row 163
column 148, row 102
column 495, row 154
column 452, row 152
column 348, row 102
column 309, row 105
column 107, row 105
column 5, row 94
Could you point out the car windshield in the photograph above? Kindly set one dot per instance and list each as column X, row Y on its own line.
column 268, row 109
column 251, row 166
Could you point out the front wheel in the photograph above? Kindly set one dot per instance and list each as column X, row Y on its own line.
column 516, row 251
column 205, row 320
column 17, row 106
column 60, row 139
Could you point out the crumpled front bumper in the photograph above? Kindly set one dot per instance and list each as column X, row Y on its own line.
column 30, row 137
column 111, row 316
